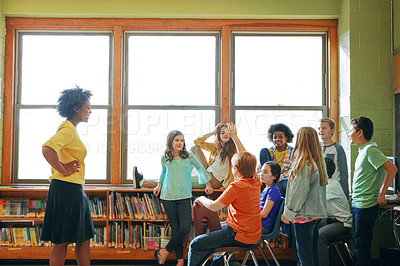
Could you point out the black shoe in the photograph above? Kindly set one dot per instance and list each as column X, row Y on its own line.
column 158, row 257
column 137, row 177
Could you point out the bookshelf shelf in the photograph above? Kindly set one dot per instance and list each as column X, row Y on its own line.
column 104, row 199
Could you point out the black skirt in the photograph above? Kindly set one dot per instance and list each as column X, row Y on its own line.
column 67, row 218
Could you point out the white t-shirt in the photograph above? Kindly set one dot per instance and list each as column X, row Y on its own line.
column 220, row 170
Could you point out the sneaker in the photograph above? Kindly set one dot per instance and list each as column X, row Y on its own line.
column 137, row 177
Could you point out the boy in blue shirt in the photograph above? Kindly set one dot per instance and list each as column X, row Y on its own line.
column 373, row 173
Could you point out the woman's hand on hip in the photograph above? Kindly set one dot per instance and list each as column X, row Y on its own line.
column 71, row 167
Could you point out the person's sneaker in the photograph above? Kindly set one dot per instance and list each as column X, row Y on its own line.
column 137, row 177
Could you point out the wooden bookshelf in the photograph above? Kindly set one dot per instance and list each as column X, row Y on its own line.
column 98, row 253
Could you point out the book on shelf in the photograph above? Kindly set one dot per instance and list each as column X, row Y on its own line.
column 97, row 207
column 21, row 236
column 129, row 206
column 125, row 235
column 100, row 237
column 22, row 208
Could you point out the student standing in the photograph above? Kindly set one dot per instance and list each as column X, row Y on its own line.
column 244, row 219
column 270, row 197
column 306, row 195
column 338, row 220
column 373, row 173
column 67, row 218
column 332, row 149
column 175, row 185
column 221, row 151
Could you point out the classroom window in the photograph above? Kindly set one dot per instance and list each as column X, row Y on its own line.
column 49, row 62
column 277, row 78
column 150, row 76
column 171, row 83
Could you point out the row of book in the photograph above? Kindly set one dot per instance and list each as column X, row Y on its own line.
column 125, row 235
column 127, row 206
column 122, row 206
column 36, row 208
column 20, row 237
column 121, row 235
column 97, row 207
column 30, row 237
column 22, row 208
column 134, row 236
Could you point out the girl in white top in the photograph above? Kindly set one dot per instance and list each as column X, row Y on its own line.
column 221, row 151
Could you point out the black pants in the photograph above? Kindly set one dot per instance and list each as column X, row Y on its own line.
column 179, row 213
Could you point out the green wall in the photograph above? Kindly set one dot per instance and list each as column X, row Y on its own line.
column 396, row 15
column 371, row 91
column 173, row 8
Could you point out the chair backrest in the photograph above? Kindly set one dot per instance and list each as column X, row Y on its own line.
column 200, row 212
column 277, row 221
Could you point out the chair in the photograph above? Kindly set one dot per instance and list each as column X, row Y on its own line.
column 200, row 212
column 344, row 240
column 273, row 233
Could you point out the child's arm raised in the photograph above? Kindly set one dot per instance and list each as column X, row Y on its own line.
column 234, row 136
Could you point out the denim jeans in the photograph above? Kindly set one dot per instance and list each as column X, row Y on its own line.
column 363, row 225
column 327, row 233
column 286, row 228
column 202, row 247
column 179, row 213
column 307, row 242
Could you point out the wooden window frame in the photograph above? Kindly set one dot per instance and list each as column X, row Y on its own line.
column 118, row 26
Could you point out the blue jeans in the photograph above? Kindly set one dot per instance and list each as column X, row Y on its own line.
column 307, row 242
column 363, row 225
column 202, row 247
column 179, row 213
column 286, row 228
column 282, row 185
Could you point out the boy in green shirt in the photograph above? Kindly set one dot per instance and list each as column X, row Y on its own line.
column 373, row 173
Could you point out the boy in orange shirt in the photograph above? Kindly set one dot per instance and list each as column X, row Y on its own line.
column 242, row 197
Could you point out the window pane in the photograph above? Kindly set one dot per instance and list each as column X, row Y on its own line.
column 147, row 135
column 94, row 136
column 278, row 70
column 171, row 70
column 52, row 63
column 45, row 123
column 35, row 127
column 253, row 126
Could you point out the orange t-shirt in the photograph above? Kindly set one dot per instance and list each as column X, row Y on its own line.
column 243, row 200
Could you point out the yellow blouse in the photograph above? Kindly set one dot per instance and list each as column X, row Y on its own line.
column 69, row 147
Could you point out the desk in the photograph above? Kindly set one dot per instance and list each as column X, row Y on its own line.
column 393, row 211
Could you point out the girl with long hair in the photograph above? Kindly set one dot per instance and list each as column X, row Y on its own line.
column 223, row 148
column 175, row 185
column 306, row 195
